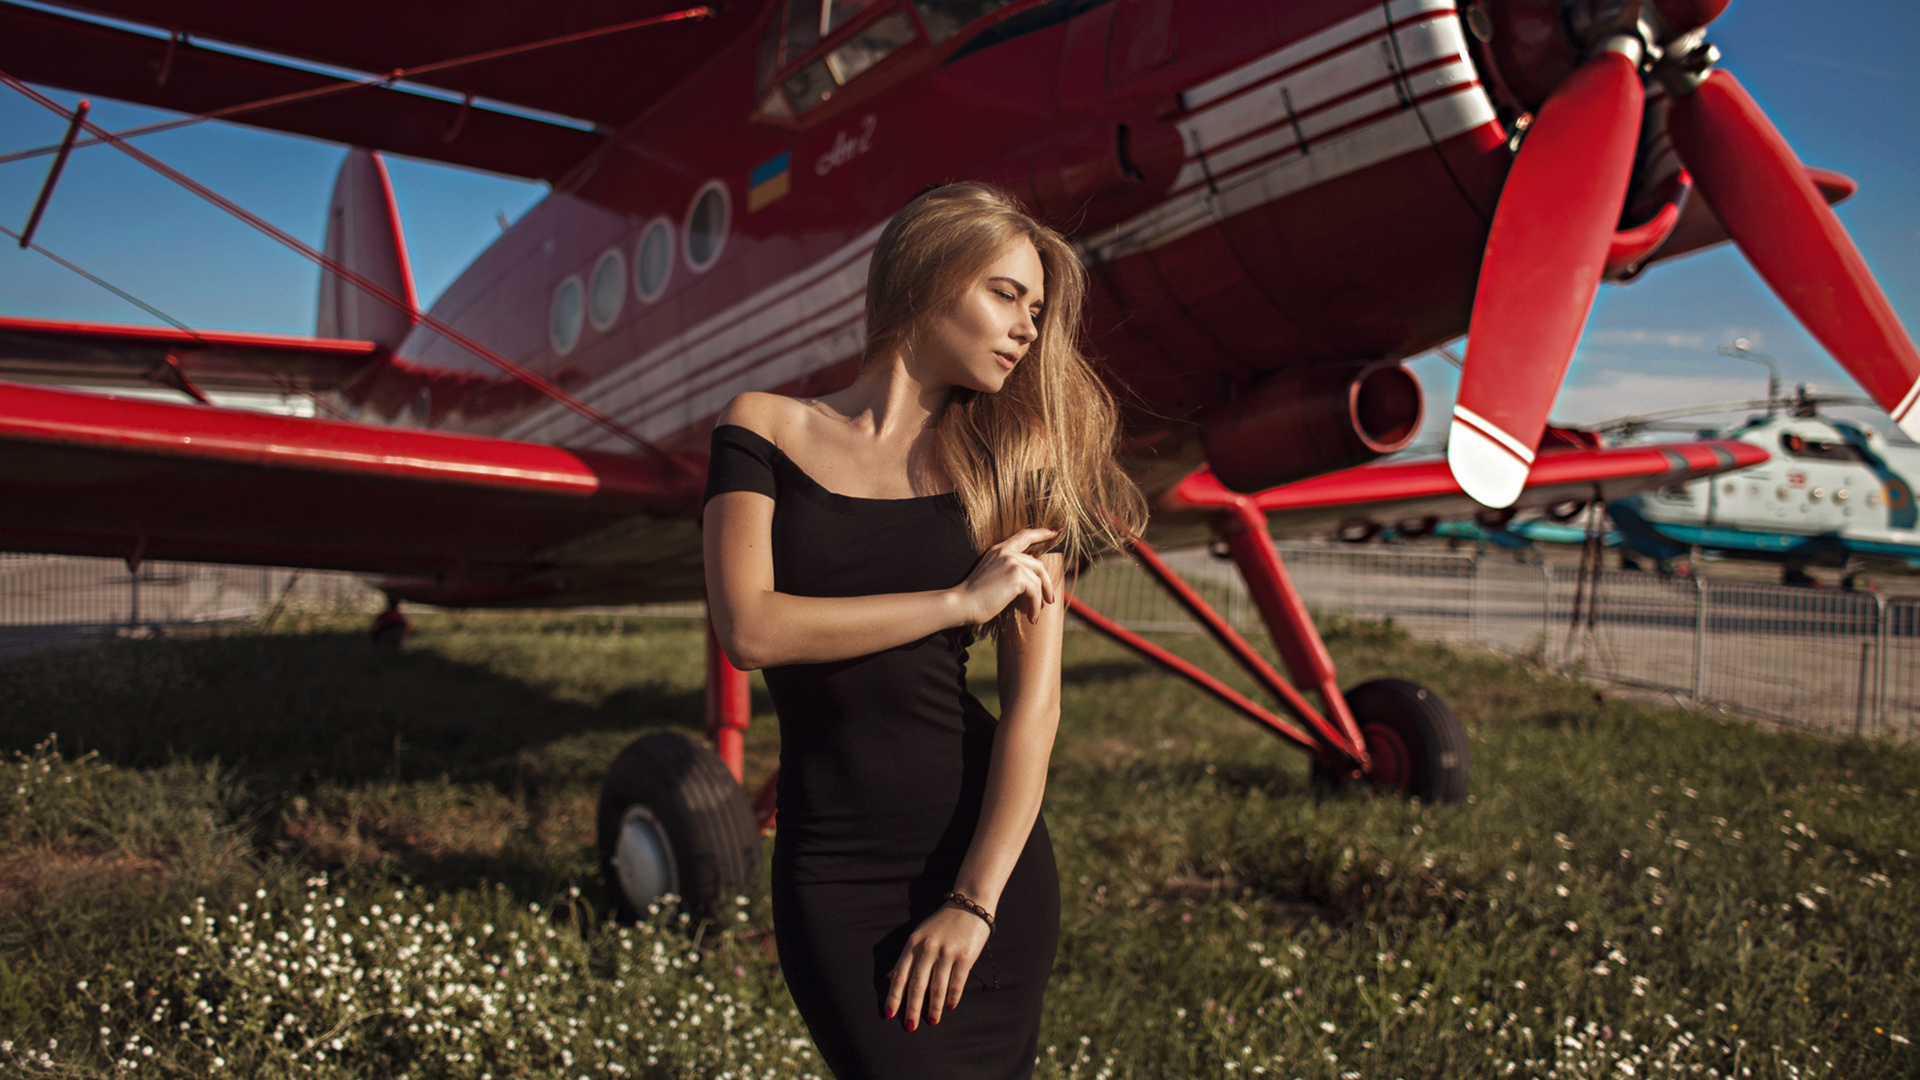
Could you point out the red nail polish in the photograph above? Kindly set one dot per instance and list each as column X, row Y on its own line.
column 911, row 1025
column 890, row 1011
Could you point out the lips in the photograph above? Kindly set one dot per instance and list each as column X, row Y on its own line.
column 1007, row 360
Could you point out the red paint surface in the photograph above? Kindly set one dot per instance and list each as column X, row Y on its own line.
column 1537, row 283
column 729, row 707
column 91, row 475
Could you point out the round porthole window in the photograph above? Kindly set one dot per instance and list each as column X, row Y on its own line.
column 707, row 225
column 653, row 260
column 569, row 310
column 609, row 290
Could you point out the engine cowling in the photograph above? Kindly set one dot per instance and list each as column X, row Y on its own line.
column 1312, row 419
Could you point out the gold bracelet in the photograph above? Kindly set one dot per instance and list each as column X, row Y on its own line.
column 962, row 900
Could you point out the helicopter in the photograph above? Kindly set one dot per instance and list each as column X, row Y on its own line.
column 1834, row 493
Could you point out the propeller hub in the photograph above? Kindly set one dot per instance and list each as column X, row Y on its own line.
column 1689, row 59
column 1534, row 45
column 1595, row 22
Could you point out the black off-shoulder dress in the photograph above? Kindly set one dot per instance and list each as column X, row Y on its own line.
column 883, row 769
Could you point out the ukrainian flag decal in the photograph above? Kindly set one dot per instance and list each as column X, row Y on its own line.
column 769, row 181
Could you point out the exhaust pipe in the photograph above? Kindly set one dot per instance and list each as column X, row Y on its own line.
column 1312, row 419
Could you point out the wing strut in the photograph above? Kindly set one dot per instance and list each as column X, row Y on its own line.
column 53, row 174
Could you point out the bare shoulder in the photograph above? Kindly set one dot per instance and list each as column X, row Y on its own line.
column 769, row 416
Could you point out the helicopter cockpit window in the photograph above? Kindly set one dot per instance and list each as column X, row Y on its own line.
column 944, row 18
column 1818, row 449
column 810, row 21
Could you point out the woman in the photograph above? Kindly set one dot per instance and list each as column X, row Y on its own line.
column 854, row 545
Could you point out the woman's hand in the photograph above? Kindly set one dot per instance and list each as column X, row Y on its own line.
column 1006, row 574
column 933, row 968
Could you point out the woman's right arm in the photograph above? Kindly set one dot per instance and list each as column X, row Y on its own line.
column 760, row 627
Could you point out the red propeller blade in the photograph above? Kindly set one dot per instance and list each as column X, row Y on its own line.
column 1548, row 246
column 1761, row 193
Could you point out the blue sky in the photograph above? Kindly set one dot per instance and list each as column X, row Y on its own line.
column 1836, row 78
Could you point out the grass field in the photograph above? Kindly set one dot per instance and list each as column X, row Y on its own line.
column 267, row 855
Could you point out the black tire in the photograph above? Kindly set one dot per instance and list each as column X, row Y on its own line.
column 669, row 788
column 1418, row 745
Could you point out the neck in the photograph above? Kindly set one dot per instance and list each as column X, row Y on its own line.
column 890, row 400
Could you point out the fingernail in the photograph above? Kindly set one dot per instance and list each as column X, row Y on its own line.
column 890, row 1012
column 911, row 1025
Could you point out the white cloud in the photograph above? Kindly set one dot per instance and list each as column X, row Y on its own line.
column 1628, row 393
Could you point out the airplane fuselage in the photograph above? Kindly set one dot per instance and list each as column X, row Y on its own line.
column 1279, row 185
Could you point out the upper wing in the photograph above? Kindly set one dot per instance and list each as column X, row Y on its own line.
column 1408, row 490
column 172, row 54
column 472, row 520
column 114, row 353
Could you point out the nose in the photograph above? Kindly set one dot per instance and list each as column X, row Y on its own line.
column 1025, row 331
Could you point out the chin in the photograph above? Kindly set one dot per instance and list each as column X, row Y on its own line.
column 985, row 384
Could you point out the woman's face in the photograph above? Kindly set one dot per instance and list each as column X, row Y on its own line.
column 978, row 341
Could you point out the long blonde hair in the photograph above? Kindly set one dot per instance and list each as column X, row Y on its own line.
column 1041, row 450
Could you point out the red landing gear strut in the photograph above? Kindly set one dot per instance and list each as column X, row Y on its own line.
column 390, row 628
column 1395, row 735
column 729, row 711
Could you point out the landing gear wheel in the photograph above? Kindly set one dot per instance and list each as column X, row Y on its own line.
column 390, row 628
column 1418, row 745
column 672, row 820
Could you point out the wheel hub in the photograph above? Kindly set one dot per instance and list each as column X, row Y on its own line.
column 643, row 859
column 1391, row 768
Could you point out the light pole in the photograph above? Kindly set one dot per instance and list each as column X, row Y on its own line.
column 1742, row 349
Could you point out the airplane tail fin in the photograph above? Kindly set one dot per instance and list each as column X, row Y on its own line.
column 363, row 234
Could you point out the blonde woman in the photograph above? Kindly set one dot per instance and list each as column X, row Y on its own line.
column 855, row 545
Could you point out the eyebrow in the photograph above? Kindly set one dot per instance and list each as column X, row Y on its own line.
column 1017, row 287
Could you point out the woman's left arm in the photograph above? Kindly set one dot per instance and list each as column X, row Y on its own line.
column 932, row 970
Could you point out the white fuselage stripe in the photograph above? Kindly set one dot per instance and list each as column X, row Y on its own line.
column 1243, row 151
column 1337, row 36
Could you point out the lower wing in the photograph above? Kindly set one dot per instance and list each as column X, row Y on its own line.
column 1400, row 491
column 448, row 518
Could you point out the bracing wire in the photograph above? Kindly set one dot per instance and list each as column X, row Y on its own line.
column 318, row 401
column 388, row 79
column 299, row 247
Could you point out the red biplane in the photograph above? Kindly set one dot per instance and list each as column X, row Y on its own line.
column 1278, row 203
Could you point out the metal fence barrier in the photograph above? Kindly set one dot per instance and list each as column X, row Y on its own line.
column 1839, row 662
column 58, row 600
column 1818, row 658
column 48, row 600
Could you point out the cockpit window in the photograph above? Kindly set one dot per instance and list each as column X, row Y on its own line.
column 809, row 22
column 870, row 46
column 1818, row 449
column 944, row 18
column 818, row 80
